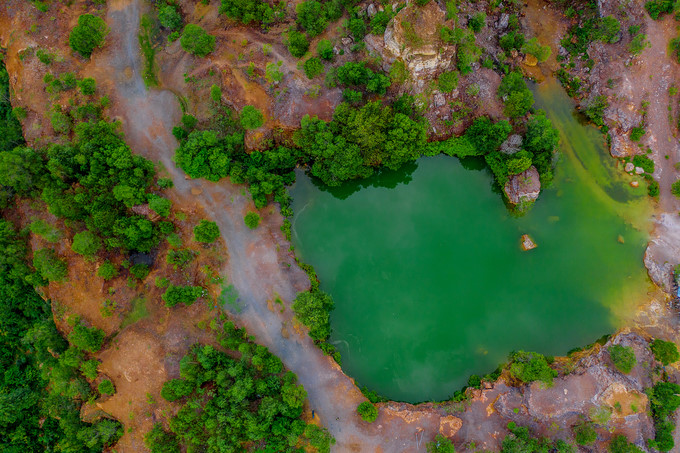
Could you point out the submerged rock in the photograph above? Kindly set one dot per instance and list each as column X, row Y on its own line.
column 524, row 187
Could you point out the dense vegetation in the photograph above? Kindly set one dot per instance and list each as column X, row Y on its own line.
column 241, row 400
column 197, row 41
column 42, row 386
column 623, row 357
column 664, row 399
column 521, row 439
column 665, row 352
column 367, row 411
column 531, row 366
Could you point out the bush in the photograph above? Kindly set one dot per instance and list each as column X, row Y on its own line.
column 169, row 17
column 675, row 188
column 448, row 81
column 107, row 270
column 311, row 17
column 206, row 232
column 621, row 445
column 532, row 47
column 88, row 86
column 175, row 389
column 313, row 67
column 88, row 34
column 665, row 352
column 297, row 42
column 86, row 243
column 636, row 133
column 517, row 97
column 105, row 387
column 252, row 220
column 531, row 366
column 197, row 41
column 139, row 271
column 159, row 205
column 644, row 162
column 312, row 309
column 638, row 44
column 44, row 56
column 87, row 339
column 658, row 8
column 367, row 411
column 440, row 444
column 609, row 28
column 585, row 434
column 159, row 440
column 89, row 368
column 623, row 357
column 49, row 266
column 595, row 110
column 653, row 189
column 477, row 22
column 251, row 118
column 325, row 49
column 182, row 295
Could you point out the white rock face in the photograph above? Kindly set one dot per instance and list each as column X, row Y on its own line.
column 523, row 187
column 629, row 167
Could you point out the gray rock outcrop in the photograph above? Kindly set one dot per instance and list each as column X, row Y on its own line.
column 524, row 187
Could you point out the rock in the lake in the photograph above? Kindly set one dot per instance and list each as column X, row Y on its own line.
column 524, row 187
column 630, row 167
column 528, row 243
column 530, row 60
column 634, row 184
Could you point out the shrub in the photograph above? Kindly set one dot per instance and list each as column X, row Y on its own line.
column 644, row 162
column 216, row 94
column 312, row 309
column 297, row 42
column 88, row 34
column 175, row 389
column 252, row 220
column 595, row 109
column 169, row 17
column 159, row 440
column 623, row 357
column 139, row 271
column 313, row 67
column 105, row 387
column 532, row 47
column 636, row 133
column 621, row 445
column 585, row 434
column 352, row 96
column 477, row 22
column 367, row 411
column 251, row 118
column 609, row 28
column 675, row 188
column 448, row 81
column 182, row 295
column 107, row 270
column 657, row 8
column 398, row 72
column 45, row 231
column 49, row 266
column 89, row 368
column 159, row 205
column 665, row 352
column 44, row 56
column 206, row 232
column 325, row 49
column 86, row 243
column 516, row 95
column 311, row 17
column 272, row 72
column 653, row 189
column 197, row 41
column 87, row 339
column 638, row 44
column 531, row 366
column 440, row 444
column 88, row 86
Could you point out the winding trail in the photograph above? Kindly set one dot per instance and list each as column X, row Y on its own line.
column 254, row 267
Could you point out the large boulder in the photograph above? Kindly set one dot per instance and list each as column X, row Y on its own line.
column 523, row 187
column 413, row 36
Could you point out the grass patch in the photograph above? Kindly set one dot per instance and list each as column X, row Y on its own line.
column 147, row 32
column 229, row 296
column 45, row 231
column 138, row 312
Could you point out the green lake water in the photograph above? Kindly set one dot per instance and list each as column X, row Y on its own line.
column 428, row 276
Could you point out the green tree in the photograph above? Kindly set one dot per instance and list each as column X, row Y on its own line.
column 21, row 169
column 325, row 49
column 169, row 17
column 252, row 220
column 216, row 94
column 49, row 266
column 531, row 366
column 311, row 17
column 665, row 352
column 516, row 96
column 675, row 188
column 159, row 205
column 533, row 47
column 312, row 309
column 297, row 42
column 367, row 411
column 182, row 295
column 621, row 445
column 177, row 388
column 477, row 22
column 88, row 34
column 87, row 339
column 158, row 440
column 86, row 243
column 251, row 118
column 585, row 434
column 197, row 41
column 105, row 387
column 440, row 444
column 313, row 67
column 206, row 232
column 107, row 270
column 88, row 86
column 623, row 357
column 448, row 81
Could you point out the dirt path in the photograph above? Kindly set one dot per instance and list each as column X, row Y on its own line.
column 255, row 266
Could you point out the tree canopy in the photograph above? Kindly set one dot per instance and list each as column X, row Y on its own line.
column 88, row 34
